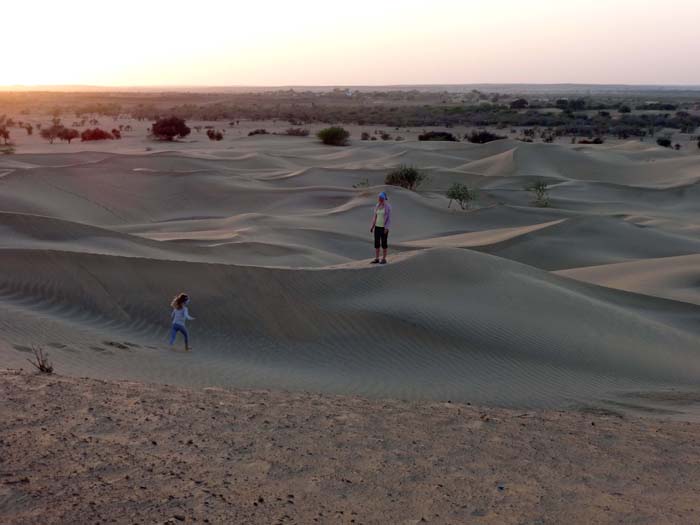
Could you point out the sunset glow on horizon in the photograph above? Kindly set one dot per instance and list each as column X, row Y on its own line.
column 356, row 43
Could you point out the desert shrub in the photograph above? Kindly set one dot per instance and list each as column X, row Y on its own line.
column 29, row 128
column 437, row 135
column 364, row 136
column 405, row 176
column 41, row 361
column 597, row 140
column 68, row 134
column 258, row 132
column 625, row 109
column 117, row 134
column 364, row 183
column 677, row 147
column 297, row 132
column 373, row 138
column 95, row 134
column 385, row 136
column 541, row 191
column 334, row 136
column 520, row 103
column 482, row 137
column 698, row 143
column 664, row 142
column 462, row 194
column 4, row 134
column 399, row 138
column 214, row 135
column 7, row 150
column 169, row 128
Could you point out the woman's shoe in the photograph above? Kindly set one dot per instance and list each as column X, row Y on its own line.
column 383, row 261
column 376, row 261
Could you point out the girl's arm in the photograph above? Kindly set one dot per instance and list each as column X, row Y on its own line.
column 374, row 220
column 187, row 314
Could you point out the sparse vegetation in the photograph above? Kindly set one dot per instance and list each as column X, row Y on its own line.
column 52, row 133
column 541, row 191
column 407, row 177
column 597, row 140
column 258, row 132
column 364, row 183
column 297, row 132
column 462, row 194
column 41, row 361
column 334, row 136
column 364, row 136
column 169, row 128
column 664, row 142
column 7, row 150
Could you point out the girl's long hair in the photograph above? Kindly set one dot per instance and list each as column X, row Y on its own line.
column 179, row 300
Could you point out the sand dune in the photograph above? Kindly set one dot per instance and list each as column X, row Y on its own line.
column 271, row 237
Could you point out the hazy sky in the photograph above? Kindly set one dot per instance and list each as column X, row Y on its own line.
column 269, row 42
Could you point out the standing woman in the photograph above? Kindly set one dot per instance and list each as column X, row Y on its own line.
column 381, row 222
column 180, row 315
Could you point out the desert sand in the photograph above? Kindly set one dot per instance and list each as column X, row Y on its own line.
column 88, row 451
column 499, row 305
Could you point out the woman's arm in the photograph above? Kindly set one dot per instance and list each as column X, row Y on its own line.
column 387, row 216
column 187, row 314
column 374, row 220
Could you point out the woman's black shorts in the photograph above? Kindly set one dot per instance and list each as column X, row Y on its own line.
column 381, row 237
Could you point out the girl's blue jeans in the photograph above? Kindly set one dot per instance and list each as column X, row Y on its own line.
column 179, row 328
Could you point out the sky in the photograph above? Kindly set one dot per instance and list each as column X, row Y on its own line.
column 348, row 42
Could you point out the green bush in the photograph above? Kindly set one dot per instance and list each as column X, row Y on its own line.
column 482, row 137
column 334, row 136
column 541, row 191
column 462, row 194
column 405, row 176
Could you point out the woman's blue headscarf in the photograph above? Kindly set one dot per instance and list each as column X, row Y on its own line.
column 383, row 196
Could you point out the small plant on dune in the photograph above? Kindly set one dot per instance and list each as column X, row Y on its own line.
column 406, row 177
column 169, row 128
column 364, row 136
column 364, row 183
column 664, row 142
column 541, row 191
column 462, row 194
column 297, row 132
column 437, row 135
column 334, row 136
column 677, row 147
column 214, row 135
column 384, row 136
column 258, row 132
column 41, row 361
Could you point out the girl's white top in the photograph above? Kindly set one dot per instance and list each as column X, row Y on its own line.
column 181, row 315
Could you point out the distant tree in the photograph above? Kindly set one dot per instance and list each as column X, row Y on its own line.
column 169, row 128
column 520, row 103
column 664, row 142
column 482, row 137
column 52, row 133
column 95, row 134
column 541, row 191
column 625, row 109
column 364, row 136
column 437, row 135
column 406, row 177
column 29, row 128
column 577, row 104
column 462, row 194
column 68, row 134
column 334, row 136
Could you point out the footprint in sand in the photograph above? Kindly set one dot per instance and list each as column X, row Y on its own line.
column 21, row 348
column 121, row 346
